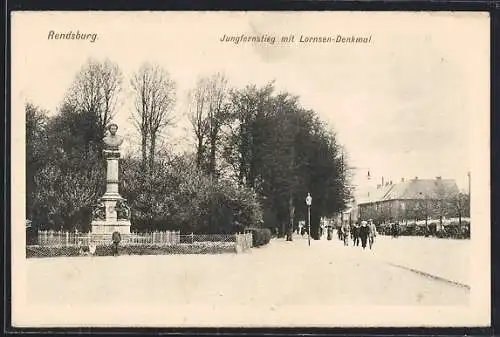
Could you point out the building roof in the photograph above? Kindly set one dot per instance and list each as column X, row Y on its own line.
column 374, row 194
column 413, row 189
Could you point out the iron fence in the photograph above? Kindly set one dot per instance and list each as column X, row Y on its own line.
column 66, row 239
column 61, row 243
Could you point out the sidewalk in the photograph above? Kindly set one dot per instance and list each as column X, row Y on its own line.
column 443, row 258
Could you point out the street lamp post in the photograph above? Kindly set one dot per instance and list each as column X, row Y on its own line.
column 308, row 203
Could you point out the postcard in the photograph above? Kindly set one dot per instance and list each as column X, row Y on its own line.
column 250, row 169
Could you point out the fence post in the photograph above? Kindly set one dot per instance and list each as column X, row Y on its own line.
column 192, row 237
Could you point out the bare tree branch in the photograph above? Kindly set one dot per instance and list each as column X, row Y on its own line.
column 96, row 90
column 208, row 113
column 155, row 94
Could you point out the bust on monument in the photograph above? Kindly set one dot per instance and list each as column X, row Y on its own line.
column 112, row 141
column 112, row 214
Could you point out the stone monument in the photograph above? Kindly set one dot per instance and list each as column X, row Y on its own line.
column 111, row 213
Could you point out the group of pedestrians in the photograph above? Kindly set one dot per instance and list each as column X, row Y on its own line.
column 363, row 232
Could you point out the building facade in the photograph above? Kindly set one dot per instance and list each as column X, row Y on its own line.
column 416, row 199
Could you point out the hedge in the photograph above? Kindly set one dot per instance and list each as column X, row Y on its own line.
column 260, row 236
column 140, row 249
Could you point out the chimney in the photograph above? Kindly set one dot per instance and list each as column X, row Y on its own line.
column 438, row 178
column 402, row 180
column 382, row 181
column 416, row 178
column 390, row 183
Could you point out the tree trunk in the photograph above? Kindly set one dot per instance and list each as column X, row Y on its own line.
column 152, row 152
column 315, row 224
column 144, row 150
column 243, row 157
column 212, row 163
column 199, row 153
column 289, row 236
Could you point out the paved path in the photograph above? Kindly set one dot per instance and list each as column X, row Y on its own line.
column 445, row 258
column 282, row 273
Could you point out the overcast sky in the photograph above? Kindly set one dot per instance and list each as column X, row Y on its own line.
column 403, row 105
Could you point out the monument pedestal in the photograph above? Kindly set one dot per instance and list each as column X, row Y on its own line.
column 111, row 222
column 108, row 228
column 111, row 214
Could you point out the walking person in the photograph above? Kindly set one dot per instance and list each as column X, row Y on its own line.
column 372, row 233
column 363, row 233
column 345, row 232
column 355, row 234
column 396, row 229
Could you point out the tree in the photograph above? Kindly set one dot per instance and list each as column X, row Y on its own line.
column 68, row 175
column 155, row 94
column 460, row 206
column 65, row 196
column 283, row 151
column 197, row 116
column 243, row 148
column 96, row 91
column 178, row 196
column 37, row 149
column 209, row 112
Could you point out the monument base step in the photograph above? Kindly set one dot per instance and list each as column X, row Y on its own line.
column 102, row 227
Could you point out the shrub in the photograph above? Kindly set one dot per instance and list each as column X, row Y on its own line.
column 41, row 251
column 176, row 196
column 260, row 236
column 138, row 249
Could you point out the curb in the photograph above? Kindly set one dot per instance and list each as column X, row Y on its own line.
column 439, row 278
